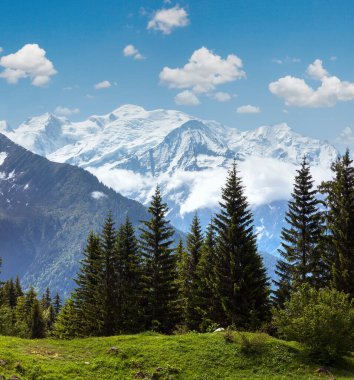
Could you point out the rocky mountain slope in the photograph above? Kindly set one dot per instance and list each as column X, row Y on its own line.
column 46, row 212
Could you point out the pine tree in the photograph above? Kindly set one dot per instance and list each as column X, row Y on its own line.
column 300, row 250
column 56, row 304
column 67, row 324
column 181, row 282
column 210, row 308
column 89, row 293
column 108, row 239
column 159, row 268
column 194, row 247
column 18, row 288
column 128, row 279
column 241, row 280
column 9, row 294
column 340, row 224
column 46, row 299
column 37, row 326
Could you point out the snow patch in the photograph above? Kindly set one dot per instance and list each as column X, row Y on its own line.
column 3, row 156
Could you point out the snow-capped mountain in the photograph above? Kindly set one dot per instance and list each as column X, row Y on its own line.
column 132, row 149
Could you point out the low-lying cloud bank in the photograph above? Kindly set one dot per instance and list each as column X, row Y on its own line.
column 265, row 180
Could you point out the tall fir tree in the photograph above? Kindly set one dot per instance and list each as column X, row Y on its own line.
column 159, row 273
column 210, row 308
column 300, row 248
column 128, row 279
column 108, row 239
column 36, row 325
column 340, row 224
column 56, row 304
column 181, row 281
column 241, row 280
column 194, row 248
column 89, row 293
column 67, row 323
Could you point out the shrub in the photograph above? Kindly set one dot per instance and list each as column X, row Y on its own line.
column 322, row 320
column 229, row 335
column 252, row 344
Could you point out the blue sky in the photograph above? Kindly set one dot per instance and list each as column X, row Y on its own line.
column 263, row 62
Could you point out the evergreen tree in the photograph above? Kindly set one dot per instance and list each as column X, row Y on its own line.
column 89, row 293
column 18, row 288
column 67, row 324
column 340, row 224
column 182, row 282
column 194, row 247
column 159, row 268
column 300, row 250
column 210, row 308
column 128, row 279
column 56, row 304
column 9, row 294
column 46, row 299
column 241, row 280
column 37, row 326
column 108, row 239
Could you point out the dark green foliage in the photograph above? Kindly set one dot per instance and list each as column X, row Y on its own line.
column 128, row 280
column 159, row 271
column 181, row 282
column 67, row 324
column 300, row 250
column 241, row 280
column 36, row 324
column 210, row 308
column 56, row 304
column 194, row 248
column 88, row 296
column 339, row 240
column 323, row 320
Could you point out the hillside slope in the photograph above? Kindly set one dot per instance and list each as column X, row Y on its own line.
column 46, row 212
column 191, row 357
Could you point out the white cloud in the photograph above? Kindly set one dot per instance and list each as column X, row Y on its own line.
column 132, row 51
column 203, row 72
column 286, row 60
column 187, row 98
column 165, row 20
column 222, row 96
column 316, row 70
column 64, row 111
column 28, row 62
column 248, row 109
column 102, row 85
column 1, row 49
column 333, row 58
column 98, row 195
column 345, row 140
column 296, row 92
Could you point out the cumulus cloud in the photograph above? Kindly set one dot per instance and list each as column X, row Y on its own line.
column 28, row 62
column 203, row 72
column 165, row 20
column 64, row 111
column 186, row 98
column 222, row 96
column 296, row 92
column 132, row 51
column 102, row 85
column 248, row 109
column 316, row 70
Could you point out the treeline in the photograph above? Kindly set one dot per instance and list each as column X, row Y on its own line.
column 23, row 314
column 131, row 282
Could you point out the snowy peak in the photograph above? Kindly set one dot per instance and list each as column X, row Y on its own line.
column 192, row 146
column 4, row 126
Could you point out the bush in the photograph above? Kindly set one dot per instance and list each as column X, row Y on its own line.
column 322, row 320
column 253, row 344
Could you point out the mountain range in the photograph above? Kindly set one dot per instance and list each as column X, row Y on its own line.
column 131, row 150
column 47, row 210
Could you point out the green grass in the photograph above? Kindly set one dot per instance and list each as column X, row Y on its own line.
column 152, row 356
